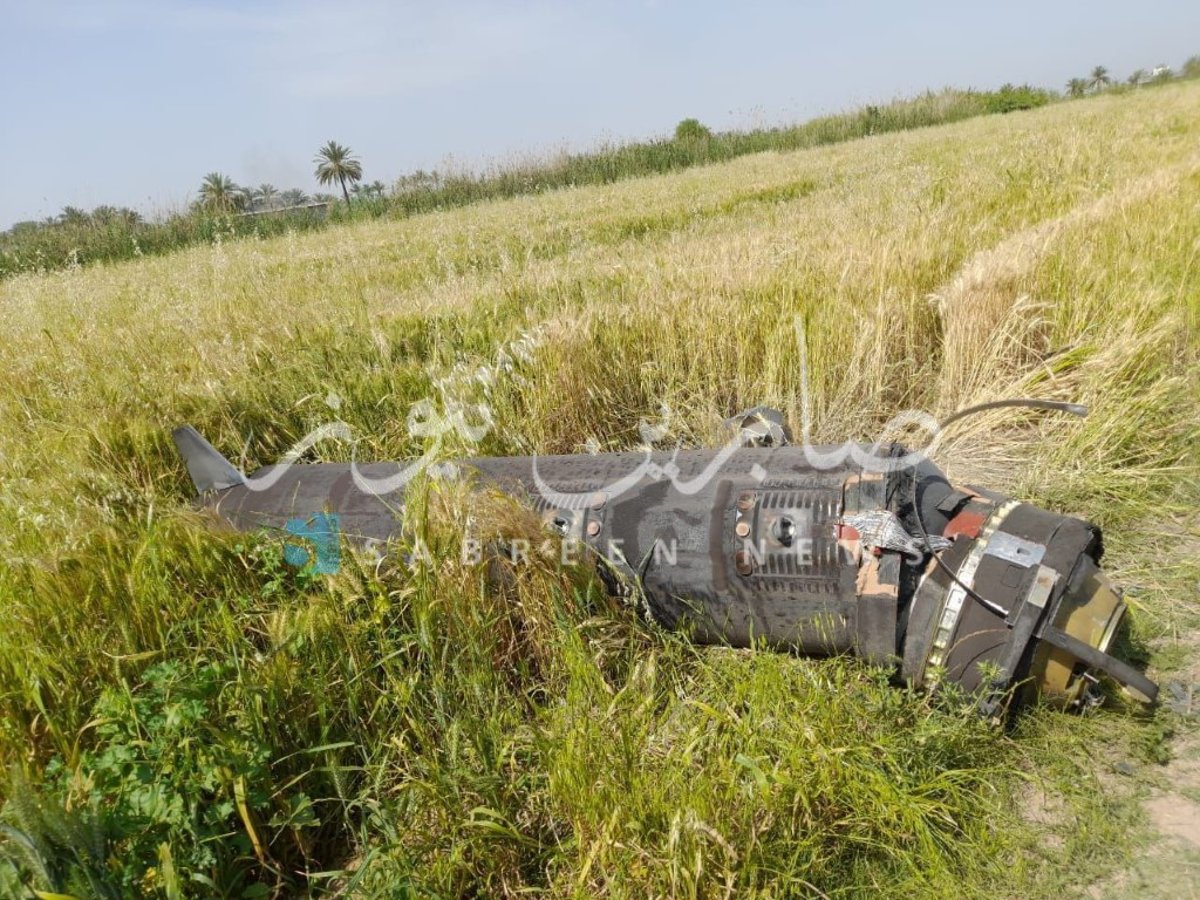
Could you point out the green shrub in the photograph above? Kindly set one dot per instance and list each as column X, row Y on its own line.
column 692, row 130
column 178, row 782
column 1010, row 98
column 62, row 245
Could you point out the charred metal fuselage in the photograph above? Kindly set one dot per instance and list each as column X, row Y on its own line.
column 891, row 563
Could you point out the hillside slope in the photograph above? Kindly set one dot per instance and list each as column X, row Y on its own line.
column 460, row 728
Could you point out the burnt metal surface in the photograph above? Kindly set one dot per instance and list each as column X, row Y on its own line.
column 944, row 584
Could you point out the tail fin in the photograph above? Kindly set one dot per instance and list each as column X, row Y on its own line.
column 210, row 471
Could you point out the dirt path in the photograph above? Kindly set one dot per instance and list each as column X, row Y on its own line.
column 1169, row 866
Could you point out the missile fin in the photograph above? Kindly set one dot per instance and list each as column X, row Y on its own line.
column 210, row 470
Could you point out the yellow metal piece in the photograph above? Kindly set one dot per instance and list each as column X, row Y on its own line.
column 1092, row 615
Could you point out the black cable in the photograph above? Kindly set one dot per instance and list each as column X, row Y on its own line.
column 971, row 592
column 1075, row 409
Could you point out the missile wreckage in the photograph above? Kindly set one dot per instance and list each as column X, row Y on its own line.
column 862, row 549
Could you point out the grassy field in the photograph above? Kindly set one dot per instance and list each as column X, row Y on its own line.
column 45, row 248
column 184, row 715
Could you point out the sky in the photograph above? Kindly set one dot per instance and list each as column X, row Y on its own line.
column 132, row 102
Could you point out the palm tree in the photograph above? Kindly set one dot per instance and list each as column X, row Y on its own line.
column 72, row 215
column 1137, row 77
column 1099, row 79
column 293, row 197
column 105, row 215
column 266, row 195
column 219, row 194
column 334, row 163
column 1077, row 87
column 377, row 188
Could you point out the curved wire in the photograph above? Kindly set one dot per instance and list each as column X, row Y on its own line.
column 1075, row 409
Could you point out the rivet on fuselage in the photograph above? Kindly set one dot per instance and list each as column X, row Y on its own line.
column 743, row 563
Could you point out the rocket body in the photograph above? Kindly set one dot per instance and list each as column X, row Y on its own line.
column 777, row 546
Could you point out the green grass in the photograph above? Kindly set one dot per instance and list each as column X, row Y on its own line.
column 185, row 715
column 62, row 246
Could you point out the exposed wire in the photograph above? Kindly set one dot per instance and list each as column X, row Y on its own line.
column 1074, row 409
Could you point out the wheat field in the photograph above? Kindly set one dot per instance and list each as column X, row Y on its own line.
column 183, row 715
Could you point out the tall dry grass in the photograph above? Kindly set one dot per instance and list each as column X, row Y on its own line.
column 47, row 247
column 464, row 729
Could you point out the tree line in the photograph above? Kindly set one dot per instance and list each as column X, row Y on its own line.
column 223, row 207
column 336, row 164
column 1101, row 79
